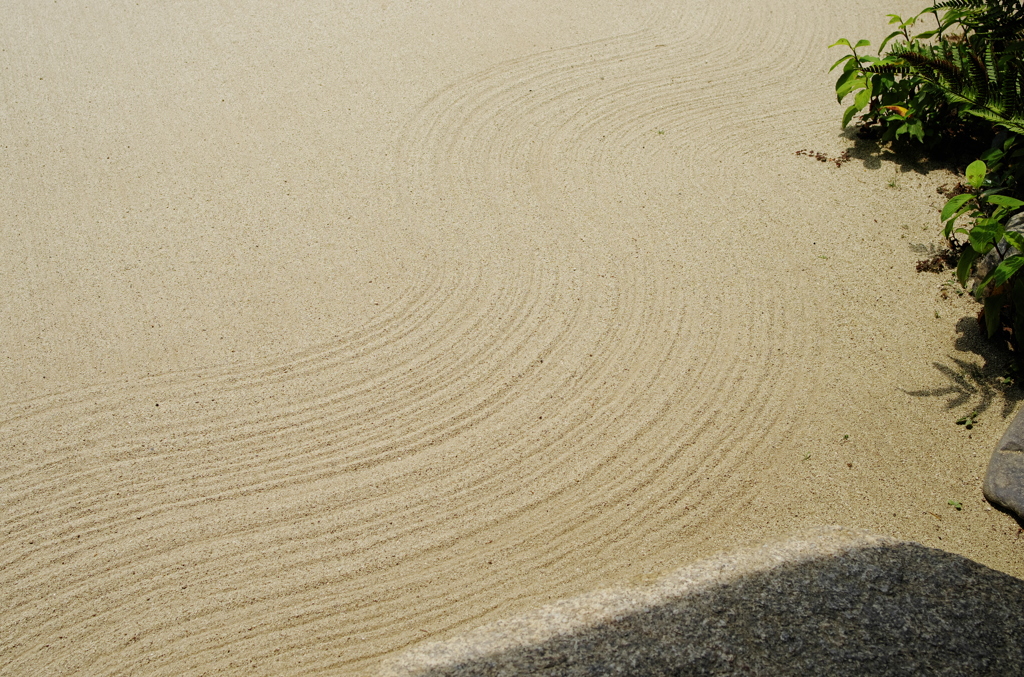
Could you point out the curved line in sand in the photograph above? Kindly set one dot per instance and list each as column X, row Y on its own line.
column 581, row 381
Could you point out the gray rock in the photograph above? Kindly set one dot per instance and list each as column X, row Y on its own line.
column 834, row 602
column 1004, row 480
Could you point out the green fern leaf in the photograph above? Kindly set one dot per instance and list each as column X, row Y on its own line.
column 1014, row 125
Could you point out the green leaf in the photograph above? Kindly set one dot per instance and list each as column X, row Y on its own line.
column 845, row 58
column 976, row 173
column 889, row 37
column 951, row 223
column 1003, row 272
column 1015, row 239
column 963, row 268
column 999, row 214
column 862, row 43
column 862, row 98
column 993, row 155
column 847, row 82
column 1010, row 124
column 993, row 307
column 848, row 115
column 985, row 234
column 954, row 205
column 841, row 41
column 981, row 241
column 967, row 421
column 853, row 65
column 1005, row 201
column 916, row 130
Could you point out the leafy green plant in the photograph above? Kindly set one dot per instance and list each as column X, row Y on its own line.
column 880, row 98
column 960, row 83
column 891, row 97
column 975, row 65
column 956, row 505
column 1005, row 163
column 941, row 83
column 989, row 211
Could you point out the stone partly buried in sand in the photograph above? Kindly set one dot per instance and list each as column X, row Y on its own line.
column 1004, row 480
column 831, row 602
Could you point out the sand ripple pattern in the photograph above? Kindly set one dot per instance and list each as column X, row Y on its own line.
column 553, row 403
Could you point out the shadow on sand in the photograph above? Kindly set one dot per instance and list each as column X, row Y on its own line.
column 878, row 607
column 968, row 384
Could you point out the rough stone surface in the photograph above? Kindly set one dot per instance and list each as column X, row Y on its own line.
column 835, row 602
column 1004, row 480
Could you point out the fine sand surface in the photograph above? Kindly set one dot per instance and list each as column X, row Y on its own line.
column 331, row 328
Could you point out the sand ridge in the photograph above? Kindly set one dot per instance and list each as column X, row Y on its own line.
column 444, row 314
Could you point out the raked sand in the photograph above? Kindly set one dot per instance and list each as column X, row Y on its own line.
column 332, row 328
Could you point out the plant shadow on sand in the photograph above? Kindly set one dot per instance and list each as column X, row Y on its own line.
column 871, row 155
column 970, row 384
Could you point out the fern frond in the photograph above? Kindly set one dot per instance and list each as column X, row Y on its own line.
column 1015, row 125
column 929, row 64
column 998, row 20
column 960, row 4
column 978, row 74
column 890, row 68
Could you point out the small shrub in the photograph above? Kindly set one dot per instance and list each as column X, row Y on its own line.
column 955, row 81
column 988, row 211
column 961, row 82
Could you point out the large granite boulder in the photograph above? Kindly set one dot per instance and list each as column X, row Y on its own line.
column 834, row 602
